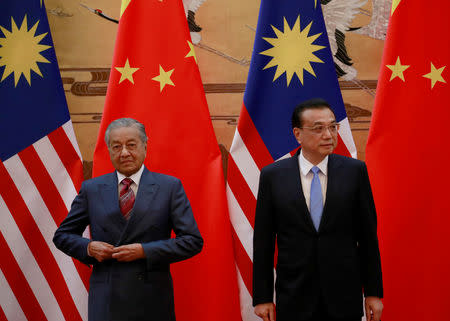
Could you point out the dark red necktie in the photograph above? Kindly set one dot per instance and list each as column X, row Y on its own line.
column 126, row 197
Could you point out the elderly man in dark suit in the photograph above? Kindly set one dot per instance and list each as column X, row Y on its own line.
column 131, row 213
column 318, row 208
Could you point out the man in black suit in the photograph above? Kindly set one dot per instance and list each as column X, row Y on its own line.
column 318, row 208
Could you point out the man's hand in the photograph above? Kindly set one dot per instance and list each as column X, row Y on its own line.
column 374, row 307
column 128, row 253
column 265, row 311
column 100, row 250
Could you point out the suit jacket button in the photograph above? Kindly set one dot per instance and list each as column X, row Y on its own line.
column 140, row 276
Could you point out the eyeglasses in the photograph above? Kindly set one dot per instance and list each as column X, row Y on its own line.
column 117, row 148
column 319, row 129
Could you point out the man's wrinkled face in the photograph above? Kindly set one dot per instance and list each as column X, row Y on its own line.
column 126, row 150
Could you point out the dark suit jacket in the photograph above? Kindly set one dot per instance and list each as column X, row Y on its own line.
column 139, row 290
column 338, row 262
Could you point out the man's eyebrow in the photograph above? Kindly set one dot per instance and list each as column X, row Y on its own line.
column 129, row 140
column 324, row 123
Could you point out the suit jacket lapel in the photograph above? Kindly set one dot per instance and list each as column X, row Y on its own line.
column 300, row 196
column 110, row 196
column 332, row 190
column 146, row 193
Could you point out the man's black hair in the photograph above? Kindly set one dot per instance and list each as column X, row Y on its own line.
column 314, row 103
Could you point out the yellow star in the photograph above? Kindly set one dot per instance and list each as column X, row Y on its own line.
column 435, row 75
column 124, row 6
column 397, row 70
column 293, row 51
column 126, row 72
column 395, row 4
column 164, row 78
column 191, row 52
column 20, row 51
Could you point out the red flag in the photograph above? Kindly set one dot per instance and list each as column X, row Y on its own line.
column 155, row 79
column 406, row 153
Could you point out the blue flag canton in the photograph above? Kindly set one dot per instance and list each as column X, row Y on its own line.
column 32, row 100
column 291, row 62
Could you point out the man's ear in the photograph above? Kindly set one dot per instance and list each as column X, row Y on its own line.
column 297, row 133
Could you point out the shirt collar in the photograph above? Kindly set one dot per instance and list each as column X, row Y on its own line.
column 305, row 165
column 136, row 177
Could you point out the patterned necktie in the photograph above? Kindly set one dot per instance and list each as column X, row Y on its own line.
column 126, row 197
column 316, row 200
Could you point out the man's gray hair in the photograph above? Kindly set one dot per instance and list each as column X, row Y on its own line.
column 126, row 122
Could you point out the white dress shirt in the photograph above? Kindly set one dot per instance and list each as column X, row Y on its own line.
column 306, row 176
column 136, row 178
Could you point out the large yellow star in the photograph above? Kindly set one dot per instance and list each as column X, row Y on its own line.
column 397, row 70
column 435, row 75
column 20, row 51
column 126, row 72
column 191, row 52
column 164, row 78
column 395, row 4
column 292, row 51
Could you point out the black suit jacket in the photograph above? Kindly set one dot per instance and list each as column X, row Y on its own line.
column 142, row 289
column 338, row 262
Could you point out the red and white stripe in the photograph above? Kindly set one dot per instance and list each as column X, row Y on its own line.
column 37, row 281
column 248, row 155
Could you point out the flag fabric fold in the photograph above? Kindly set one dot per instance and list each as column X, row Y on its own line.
column 155, row 79
column 291, row 62
column 41, row 171
column 405, row 155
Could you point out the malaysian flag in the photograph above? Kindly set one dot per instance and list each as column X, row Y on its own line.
column 40, row 173
column 291, row 62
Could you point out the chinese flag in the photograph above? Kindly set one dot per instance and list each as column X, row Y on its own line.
column 155, row 79
column 407, row 154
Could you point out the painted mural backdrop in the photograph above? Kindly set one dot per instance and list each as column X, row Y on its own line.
column 223, row 32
